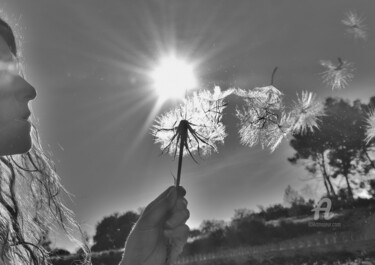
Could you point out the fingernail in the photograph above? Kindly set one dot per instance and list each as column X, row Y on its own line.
column 181, row 191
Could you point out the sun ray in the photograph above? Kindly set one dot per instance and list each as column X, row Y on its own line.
column 146, row 126
column 173, row 77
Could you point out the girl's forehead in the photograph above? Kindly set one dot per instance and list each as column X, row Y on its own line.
column 5, row 52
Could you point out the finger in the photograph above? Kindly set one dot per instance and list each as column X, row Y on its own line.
column 177, row 238
column 181, row 191
column 176, row 250
column 162, row 197
column 181, row 204
column 179, row 233
column 178, row 218
column 156, row 212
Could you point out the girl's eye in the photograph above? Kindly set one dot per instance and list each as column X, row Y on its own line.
column 8, row 71
column 10, row 67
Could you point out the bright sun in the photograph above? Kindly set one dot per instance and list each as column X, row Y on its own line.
column 173, row 77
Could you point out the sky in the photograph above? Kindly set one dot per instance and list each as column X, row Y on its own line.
column 90, row 61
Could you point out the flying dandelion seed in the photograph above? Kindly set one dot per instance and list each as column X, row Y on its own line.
column 261, row 118
column 262, row 97
column 193, row 127
column 370, row 128
column 276, row 133
column 306, row 112
column 268, row 131
column 355, row 25
column 337, row 76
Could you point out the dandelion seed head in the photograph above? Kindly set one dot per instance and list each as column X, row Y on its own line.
column 337, row 76
column 269, row 136
column 355, row 25
column 262, row 97
column 249, row 131
column 261, row 118
column 370, row 128
column 328, row 64
column 306, row 112
column 203, row 111
column 217, row 95
column 276, row 133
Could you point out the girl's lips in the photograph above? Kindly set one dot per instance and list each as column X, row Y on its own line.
column 26, row 116
column 22, row 120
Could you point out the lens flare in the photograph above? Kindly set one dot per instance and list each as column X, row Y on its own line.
column 173, row 77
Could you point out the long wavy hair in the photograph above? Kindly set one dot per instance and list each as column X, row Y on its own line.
column 30, row 201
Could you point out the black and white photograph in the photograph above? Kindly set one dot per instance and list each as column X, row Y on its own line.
column 187, row 132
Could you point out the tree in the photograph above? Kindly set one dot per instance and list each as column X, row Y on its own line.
column 372, row 187
column 369, row 111
column 348, row 123
column 309, row 192
column 291, row 197
column 210, row 226
column 273, row 212
column 250, row 229
column 241, row 213
column 194, row 234
column 338, row 148
column 112, row 231
column 311, row 151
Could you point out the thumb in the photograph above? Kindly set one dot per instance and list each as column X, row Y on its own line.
column 158, row 210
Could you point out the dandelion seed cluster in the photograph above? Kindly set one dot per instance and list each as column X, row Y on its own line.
column 370, row 128
column 203, row 111
column 279, row 132
column 355, row 25
column 306, row 112
column 259, row 117
column 263, row 118
column 337, row 76
column 262, row 97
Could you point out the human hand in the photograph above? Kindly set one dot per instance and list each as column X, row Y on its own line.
column 160, row 233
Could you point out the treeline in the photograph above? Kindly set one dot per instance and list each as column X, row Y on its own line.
column 332, row 258
column 273, row 224
column 247, row 228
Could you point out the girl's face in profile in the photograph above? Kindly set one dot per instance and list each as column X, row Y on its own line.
column 15, row 93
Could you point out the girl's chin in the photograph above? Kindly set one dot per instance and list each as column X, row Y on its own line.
column 15, row 138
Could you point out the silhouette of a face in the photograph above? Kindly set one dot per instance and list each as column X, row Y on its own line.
column 15, row 94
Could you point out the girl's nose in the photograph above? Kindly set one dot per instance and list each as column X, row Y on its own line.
column 24, row 91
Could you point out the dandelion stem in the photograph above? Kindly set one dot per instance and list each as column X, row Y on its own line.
column 180, row 156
